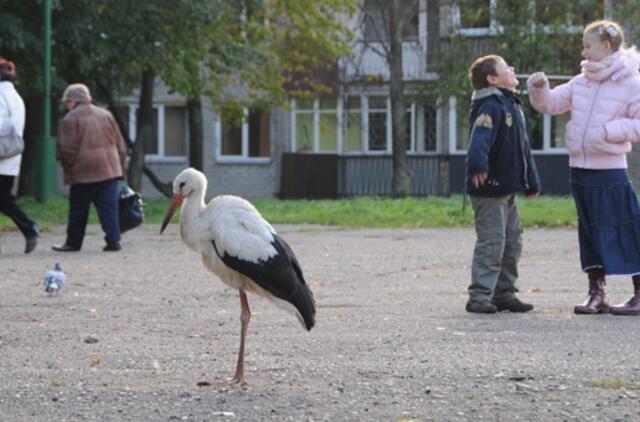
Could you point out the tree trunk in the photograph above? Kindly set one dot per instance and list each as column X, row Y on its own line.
column 144, row 131
column 196, row 137
column 401, row 183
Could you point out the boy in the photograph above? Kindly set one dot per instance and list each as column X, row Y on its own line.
column 499, row 164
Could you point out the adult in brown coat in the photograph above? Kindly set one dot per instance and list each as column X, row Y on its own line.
column 93, row 156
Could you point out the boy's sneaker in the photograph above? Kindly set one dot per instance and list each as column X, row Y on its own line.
column 485, row 307
column 512, row 305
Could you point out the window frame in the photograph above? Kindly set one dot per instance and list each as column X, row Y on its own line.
column 160, row 110
column 495, row 27
column 244, row 157
column 490, row 30
column 413, row 108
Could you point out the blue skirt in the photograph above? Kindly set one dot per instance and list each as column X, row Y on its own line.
column 608, row 220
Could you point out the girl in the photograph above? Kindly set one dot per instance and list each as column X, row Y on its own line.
column 604, row 101
column 12, row 116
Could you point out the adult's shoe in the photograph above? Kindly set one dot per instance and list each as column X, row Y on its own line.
column 112, row 247
column 65, row 248
column 31, row 243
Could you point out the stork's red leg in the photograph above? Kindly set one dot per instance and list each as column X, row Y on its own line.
column 245, row 316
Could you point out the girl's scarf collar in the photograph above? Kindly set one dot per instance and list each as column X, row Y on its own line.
column 614, row 66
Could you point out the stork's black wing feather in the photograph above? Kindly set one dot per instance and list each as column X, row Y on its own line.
column 280, row 275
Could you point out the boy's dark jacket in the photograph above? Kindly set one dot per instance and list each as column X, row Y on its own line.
column 499, row 145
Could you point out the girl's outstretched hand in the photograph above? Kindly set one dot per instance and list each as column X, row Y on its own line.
column 538, row 80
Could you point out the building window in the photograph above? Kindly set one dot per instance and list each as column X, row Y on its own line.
column 461, row 108
column 259, row 129
column 243, row 138
column 475, row 14
column 230, row 136
column 316, row 125
column 359, row 124
column 409, row 127
column 328, row 125
column 304, row 125
column 430, row 123
column 474, row 17
column 170, row 132
column 558, row 124
column 175, row 131
column 353, row 125
column 377, row 124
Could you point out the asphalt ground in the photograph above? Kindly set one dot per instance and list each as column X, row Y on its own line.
column 134, row 332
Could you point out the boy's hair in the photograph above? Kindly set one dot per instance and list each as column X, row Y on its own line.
column 607, row 31
column 481, row 68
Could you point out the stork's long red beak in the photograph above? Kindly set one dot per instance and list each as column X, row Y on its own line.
column 176, row 201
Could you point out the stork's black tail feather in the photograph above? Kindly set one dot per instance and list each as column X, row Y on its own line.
column 301, row 297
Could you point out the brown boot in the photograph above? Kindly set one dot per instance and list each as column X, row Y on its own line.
column 631, row 306
column 597, row 300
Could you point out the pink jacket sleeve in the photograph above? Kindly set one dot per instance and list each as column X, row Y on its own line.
column 626, row 130
column 551, row 101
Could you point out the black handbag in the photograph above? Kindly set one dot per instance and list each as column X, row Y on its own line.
column 131, row 208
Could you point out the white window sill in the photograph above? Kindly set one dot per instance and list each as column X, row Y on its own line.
column 477, row 32
column 159, row 159
column 244, row 160
column 554, row 151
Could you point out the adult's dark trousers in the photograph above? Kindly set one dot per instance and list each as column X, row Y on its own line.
column 105, row 196
column 10, row 207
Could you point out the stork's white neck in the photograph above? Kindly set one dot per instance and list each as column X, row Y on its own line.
column 193, row 204
column 190, row 215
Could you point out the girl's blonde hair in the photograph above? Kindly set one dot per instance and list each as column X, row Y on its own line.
column 607, row 31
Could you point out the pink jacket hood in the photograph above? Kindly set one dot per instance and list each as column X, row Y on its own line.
column 604, row 101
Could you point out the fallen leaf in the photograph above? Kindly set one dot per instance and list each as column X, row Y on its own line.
column 95, row 361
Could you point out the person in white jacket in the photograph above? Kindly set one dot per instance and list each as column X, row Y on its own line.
column 12, row 113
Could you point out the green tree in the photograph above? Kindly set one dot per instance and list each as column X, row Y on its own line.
column 235, row 52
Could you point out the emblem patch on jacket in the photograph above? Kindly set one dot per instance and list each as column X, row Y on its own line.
column 509, row 119
column 483, row 120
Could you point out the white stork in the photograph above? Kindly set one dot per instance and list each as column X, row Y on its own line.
column 242, row 249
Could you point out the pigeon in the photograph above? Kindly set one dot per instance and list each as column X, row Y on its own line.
column 54, row 280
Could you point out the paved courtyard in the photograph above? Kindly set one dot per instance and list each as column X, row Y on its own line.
column 134, row 332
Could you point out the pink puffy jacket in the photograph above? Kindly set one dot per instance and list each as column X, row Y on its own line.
column 604, row 101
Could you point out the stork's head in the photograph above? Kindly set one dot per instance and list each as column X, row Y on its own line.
column 188, row 181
